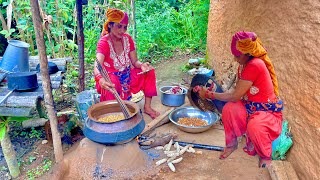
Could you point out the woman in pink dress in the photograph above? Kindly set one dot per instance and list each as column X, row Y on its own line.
column 254, row 107
column 116, row 52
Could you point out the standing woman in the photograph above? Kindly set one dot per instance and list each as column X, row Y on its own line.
column 253, row 108
column 117, row 53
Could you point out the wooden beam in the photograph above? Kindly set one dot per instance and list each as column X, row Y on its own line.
column 16, row 112
column 49, row 103
column 20, row 101
column 80, row 40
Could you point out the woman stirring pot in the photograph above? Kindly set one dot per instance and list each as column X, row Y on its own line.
column 116, row 52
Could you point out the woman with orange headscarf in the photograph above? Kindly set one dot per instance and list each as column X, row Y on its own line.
column 117, row 53
column 253, row 108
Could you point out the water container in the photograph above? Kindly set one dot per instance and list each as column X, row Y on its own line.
column 84, row 100
column 16, row 57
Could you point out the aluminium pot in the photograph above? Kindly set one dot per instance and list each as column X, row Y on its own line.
column 172, row 99
column 116, row 132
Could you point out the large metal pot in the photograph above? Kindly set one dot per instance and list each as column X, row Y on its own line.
column 172, row 99
column 117, row 132
column 21, row 81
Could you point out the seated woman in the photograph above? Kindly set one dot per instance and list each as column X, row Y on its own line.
column 116, row 52
column 253, row 108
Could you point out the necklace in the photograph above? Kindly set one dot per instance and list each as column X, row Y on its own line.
column 113, row 45
column 120, row 61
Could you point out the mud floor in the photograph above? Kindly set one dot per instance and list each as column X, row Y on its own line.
column 127, row 161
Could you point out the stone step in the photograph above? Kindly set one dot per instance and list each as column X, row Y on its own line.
column 282, row 170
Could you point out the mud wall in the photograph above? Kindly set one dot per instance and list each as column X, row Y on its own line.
column 290, row 31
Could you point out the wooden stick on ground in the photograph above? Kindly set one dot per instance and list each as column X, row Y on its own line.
column 153, row 124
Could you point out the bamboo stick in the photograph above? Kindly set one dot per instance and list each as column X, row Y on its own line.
column 106, row 77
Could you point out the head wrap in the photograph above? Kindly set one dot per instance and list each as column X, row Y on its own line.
column 249, row 43
column 114, row 15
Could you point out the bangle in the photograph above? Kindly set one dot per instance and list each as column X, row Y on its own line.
column 209, row 95
column 97, row 77
column 212, row 95
column 206, row 95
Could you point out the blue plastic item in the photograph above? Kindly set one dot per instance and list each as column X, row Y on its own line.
column 282, row 144
column 210, row 73
column 84, row 100
column 16, row 57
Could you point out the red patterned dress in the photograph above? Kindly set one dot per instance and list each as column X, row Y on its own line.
column 121, row 71
column 258, row 115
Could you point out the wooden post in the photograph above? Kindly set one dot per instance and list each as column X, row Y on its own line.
column 80, row 39
column 46, row 84
column 10, row 155
column 133, row 14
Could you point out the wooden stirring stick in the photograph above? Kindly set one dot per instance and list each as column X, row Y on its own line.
column 106, row 77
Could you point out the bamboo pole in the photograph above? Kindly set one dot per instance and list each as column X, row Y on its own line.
column 133, row 15
column 17, row 15
column 4, row 24
column 46, row 83
column 80, row 39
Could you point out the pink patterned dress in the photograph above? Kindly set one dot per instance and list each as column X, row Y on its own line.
column 258, row 115
column 122, row 73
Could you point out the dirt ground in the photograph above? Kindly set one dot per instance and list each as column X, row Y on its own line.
column 128, row 161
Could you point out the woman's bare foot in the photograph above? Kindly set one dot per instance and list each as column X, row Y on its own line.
column 227, row 151
column 151, row 112
column 264, row 163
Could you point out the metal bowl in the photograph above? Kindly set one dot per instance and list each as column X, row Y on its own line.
column 210, row 117
column 172, row 99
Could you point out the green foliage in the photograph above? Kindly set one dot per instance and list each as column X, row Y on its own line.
column 39, row 170
column 3, row 126
column 186, row 68
column 31, row 159
column 162, row 29
column 32, row 134
column 35, row 133
column 3, row 130
column 71, row 78
column 17, row 119
column 7, row 33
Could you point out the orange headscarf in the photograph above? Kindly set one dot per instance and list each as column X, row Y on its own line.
column 249, row 43
column 114, row 15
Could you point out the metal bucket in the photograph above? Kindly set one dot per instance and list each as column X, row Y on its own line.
column 16, row 57
column 172, row 99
